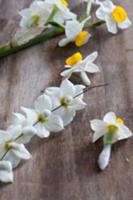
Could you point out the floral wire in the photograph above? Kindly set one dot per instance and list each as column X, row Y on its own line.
column 84, row 91
column 4, row 155
column 89, row 88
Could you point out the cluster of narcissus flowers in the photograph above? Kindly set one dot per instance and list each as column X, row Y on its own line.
column 40, row 13
column 57, row 107
column 52, row 111
column 47, row 13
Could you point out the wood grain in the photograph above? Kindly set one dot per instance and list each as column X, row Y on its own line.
column 64, row 166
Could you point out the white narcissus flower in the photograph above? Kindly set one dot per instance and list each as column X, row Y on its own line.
column 76, row 64
column 65, row 96
column 63, row 12
column 27, row 130
column 42, row 118
column 113, row 129
column 114, row 16
column 10, row 149
column 74, row 33
column 36, row 15
column 6, row 174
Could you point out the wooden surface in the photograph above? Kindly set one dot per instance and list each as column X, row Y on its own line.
column 64, row 166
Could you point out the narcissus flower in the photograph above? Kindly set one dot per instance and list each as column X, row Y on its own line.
column 63, row 13
column 74, row 33
column 39, row 12
column 10, row 149
column 42, row 118
column 113, row 129
column 27, row 130
column 114, row 16
column 6, row 174
column 65, row 96
column 76, row 64
column 36, row 15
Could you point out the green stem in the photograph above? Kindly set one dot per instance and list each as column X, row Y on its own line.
column 88, row 7
column 8, row 49
column 95, row 24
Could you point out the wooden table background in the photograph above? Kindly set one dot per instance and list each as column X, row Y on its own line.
column 64, row 166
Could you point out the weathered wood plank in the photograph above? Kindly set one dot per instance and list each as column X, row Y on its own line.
column 64, row 166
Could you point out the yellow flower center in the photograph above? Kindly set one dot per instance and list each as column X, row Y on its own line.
column 65, row 3
column 119, row 14
column 36, row 18
column 119, row 120
column 41, row 119
column 74, row 59
column 81, row 38
column 112, row 128
column 7, row 148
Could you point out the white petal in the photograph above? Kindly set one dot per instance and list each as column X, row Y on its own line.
column 100, row 14
column 111, row 24
column 78, row 104
column 110, row 118
column 55, row 102
column 42, row 132
column 14, row 132
column 124, row 132
column 6, row 177
column 52, row 91
column 126, row 24
column 99, row 127
column 2, row 134
column 85, row 78
column 12, row 158
column 31, row 114
column 92, row 57
column 5, row 165
column 64, row 42
column 107, row 6
column 63, row 16
column 43, row 102
column 28, row 133
column 6, row 174
column 58, row 18
column 67, row 88
column 18, row 119
column 97, row 135
column 104, row 157
column 67, row 73
column 67, row 115
column 78, row 90
column 72, row 29
column 25, row 12
column 20, row 151
column 55, row 124
column 91, row 68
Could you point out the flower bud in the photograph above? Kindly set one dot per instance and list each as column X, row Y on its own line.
column 68, row 100
column 46, row 114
